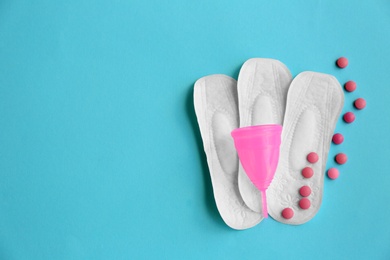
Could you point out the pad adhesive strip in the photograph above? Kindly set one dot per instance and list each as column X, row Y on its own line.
column 262, row 94
column 215, row 101
column 314, row 103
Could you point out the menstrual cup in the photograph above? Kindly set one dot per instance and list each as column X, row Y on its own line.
column 258, row 149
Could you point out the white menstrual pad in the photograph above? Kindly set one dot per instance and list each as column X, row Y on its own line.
column 215, row 100
column 313, row 107
column 262, row 94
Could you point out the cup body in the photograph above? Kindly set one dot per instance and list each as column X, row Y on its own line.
column 258, row 148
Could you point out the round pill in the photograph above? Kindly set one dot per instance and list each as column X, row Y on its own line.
column 350, row 86
column 360, row 103
column 342, row 62
column 337, row 138
column 287, row 213
column 333, row 173
column 304, row 203
column 312, row 157
column 307, row 172
column 349, row 117
column 341, row 158
column 305, row 191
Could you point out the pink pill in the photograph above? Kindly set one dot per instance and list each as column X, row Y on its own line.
column 350, row 86
column 360, row 103
column 312, row 157
column 342, row 62
column 341, row 158
column 333, row 173
column 349, row 117
column 337, row 138
column 287, row 213
column 304, row 203
column 307, row 172
column 305, row 191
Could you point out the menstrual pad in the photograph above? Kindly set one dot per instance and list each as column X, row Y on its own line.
column 262, row 94
column 215, row 100
column 313, row 106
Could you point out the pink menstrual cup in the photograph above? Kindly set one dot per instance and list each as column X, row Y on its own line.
column 258, row 149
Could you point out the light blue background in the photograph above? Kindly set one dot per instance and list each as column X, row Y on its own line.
column 100, row 153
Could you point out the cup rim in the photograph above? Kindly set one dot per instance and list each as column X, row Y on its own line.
column 266, row 127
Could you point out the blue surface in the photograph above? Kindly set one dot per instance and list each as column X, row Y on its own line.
column 100, row 153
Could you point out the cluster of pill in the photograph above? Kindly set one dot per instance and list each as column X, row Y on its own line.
column 348, row 117
column 341, row 158
column 305, row 190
